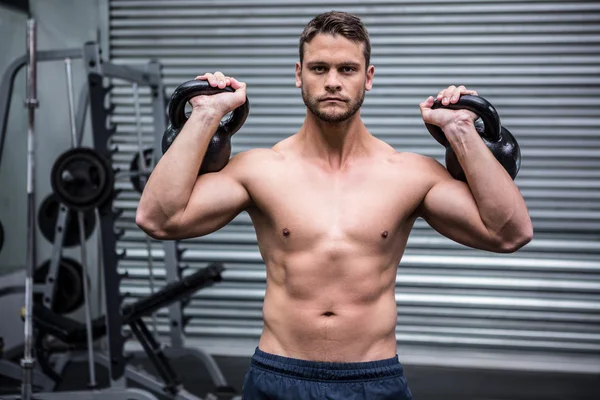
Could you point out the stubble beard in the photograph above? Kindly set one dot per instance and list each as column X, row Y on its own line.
column 313, row 103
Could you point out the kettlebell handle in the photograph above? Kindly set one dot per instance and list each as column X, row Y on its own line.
column 480, row 106
column 497, row 138
column 189, row 89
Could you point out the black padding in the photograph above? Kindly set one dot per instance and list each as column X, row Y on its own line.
column 64, row 328
column 173, row 292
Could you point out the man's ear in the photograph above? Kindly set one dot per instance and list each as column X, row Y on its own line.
column 369, row 80
column 298, row 75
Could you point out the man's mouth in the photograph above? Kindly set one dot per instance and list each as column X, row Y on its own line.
column 333, row 99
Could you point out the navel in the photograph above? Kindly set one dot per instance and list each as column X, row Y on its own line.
column 328, row 314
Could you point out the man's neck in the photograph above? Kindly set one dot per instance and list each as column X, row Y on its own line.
column 335, row 144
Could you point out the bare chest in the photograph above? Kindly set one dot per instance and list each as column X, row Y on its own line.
column 365, row 205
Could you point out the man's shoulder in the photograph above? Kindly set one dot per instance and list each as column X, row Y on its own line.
column 254, row 160
column 418, row 165
column 256, row 154
column 413, row 159
column 426, row 169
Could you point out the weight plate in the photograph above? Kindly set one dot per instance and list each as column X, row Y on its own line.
column 68, row 294
column 137, row 180
column 48, row 214
column 82, row 179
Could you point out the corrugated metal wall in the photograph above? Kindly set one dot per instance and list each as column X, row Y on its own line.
column 538, row 62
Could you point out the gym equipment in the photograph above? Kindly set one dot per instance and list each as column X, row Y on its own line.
column 139, row 177
column 143, row 161
column 48, row 216
column 219, row 148
column 140, row 169
column 69, row 280
column 97, row 70
column 73, row 333
column 28, row 361
column 94, row 94
column 12, row 292
column 80, row 219
column 495, row 136
column 8, row 79
column 102, row 131
column 82, row 179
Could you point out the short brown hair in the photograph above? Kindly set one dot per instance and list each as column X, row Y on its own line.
column 337, row 23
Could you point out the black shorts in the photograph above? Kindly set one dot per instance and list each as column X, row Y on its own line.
column 275, row 377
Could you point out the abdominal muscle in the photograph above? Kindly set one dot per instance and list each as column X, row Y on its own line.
column 340, row 311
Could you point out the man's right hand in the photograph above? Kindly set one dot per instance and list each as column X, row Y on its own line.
column 221, row 103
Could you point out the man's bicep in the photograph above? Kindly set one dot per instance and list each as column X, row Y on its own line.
column 216, row 199
column 450, row 209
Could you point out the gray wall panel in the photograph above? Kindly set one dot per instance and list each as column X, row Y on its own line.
column 536, row 61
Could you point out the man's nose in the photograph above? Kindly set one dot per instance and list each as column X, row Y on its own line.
column 333, row 83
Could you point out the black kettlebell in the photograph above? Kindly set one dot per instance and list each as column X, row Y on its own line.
column 497, row 138
column 219, row 149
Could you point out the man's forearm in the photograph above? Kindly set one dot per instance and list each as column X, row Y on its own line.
column 501, row 206
column 170, row 185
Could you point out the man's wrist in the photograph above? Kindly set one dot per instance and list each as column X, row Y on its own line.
column 206, row 114
column 461, row 119
column 460, row 125
column 460, row 131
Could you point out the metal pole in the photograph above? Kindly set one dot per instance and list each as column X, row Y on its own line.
column 80, row 217
column 138, row 127
column 152, row 287
column 31, row 103
column 143, row 174
column 74, row 141
column 86, row 297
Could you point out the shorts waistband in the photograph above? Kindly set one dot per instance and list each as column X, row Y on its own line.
column 321, row 370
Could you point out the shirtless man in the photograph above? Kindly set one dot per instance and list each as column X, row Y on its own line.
column 332, row 207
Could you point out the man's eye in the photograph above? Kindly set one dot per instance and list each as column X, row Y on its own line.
column 318, row 69
column 348, row 69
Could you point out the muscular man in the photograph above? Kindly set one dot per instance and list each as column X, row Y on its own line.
column 332, row 207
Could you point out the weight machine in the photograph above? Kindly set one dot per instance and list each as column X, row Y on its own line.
column 71, row 173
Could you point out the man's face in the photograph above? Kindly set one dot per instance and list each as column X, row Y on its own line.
column 333, row 77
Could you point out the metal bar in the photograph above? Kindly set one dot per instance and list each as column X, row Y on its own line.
column 31, row 103
column 71, row 105
column 138, row 126
column 75, row 140
column 152, row 285
column 49, row 288
column 159, row 114
column 7, row 291
column 130, row 73
column 112, row 295
column 142, row 169
column 175, row 315
column 8, row 80
column 6, row 88
column 81, row 113
column 173, row 292
column 100, row 265
column 86, row 298
column 97, row 70
column 155, row 355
